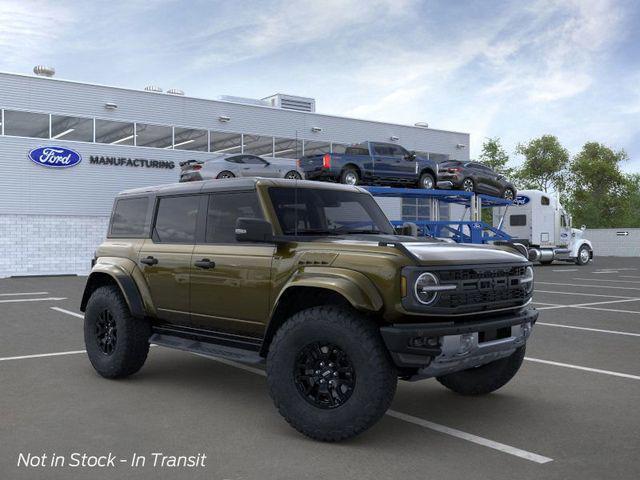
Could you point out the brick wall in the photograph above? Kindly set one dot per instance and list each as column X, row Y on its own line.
column 612, row 242
column 49, row 244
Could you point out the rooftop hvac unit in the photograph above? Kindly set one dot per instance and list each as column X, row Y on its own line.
column 175, row 91
column 291, row 102
column 153, row 88
column 44, row 71
column 244, row 100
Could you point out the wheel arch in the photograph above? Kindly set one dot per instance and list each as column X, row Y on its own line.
column 354, row 167
column 109, row 274
column 311, row 289
column 577, row 245
column 430, row 171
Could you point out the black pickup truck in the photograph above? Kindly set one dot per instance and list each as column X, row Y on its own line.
column 372, row 163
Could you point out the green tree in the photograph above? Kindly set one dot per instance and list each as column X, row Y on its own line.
column 494, row 156
column 600, row 194
column 545, row 164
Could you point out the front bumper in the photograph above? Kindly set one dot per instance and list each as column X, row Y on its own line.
column 435, row 349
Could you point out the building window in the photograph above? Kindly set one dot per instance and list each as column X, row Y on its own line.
column 316, row 148
column 257, row 145
column 156, row 136
column 115, row 133
column 26, row 124
column 71, row 128
column 287, row 148
column 226, row 142
column 190, row 139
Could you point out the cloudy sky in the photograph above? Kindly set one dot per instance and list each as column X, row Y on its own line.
column 492, row 68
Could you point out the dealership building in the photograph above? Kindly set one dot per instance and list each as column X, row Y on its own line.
column 52, row 219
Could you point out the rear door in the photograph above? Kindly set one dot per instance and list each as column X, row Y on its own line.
column 230, row 281
column 165, row 259
column 255, row 166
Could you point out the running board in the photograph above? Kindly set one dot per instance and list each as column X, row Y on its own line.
column 205, row 348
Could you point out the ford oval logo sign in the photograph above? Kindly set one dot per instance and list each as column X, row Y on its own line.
column 55, row 157
column 521, row 200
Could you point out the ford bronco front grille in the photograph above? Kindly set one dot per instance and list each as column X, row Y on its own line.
column 478, row 289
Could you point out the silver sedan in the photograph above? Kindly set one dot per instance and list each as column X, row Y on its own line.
column 239, row 165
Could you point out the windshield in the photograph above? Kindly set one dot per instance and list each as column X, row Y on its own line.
column 306, row 211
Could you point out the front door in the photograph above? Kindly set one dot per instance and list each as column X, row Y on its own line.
column 230, row 282
column 165, row 259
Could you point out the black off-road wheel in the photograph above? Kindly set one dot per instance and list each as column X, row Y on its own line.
column 329, row 373
column 117, row 344
column 486, row 378
column 508, row 194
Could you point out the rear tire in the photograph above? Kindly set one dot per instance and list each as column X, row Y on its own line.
column 468, row 185
column 486, row 378
column 363, row 372
column 117, row 344
column 293, row 175
column 225, row 174
column 350, row 176
column 508, row 194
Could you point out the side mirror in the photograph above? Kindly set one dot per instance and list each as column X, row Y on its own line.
column 410, row 156
column 253, row 230
column 583, row 228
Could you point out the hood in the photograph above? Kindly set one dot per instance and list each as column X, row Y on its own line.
column 461, row 254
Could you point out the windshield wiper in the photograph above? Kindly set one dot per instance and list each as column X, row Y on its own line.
column 358, row 231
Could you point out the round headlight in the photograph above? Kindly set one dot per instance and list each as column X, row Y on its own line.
column 527, row 280
column 425, row 292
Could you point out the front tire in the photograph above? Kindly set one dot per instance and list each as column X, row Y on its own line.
column 427, row 181
column 329, row 373
column 508, row 194
column 584, row 255
column 485, row 378
column 117, row 344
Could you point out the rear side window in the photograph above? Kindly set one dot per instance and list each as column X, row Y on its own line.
column 176, row 219
column 129, row 218
column 518, row 220
column 223, row 212
column 357, row 151
column 544, row 201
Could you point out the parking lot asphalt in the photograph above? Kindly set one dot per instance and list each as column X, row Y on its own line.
column 571, row 412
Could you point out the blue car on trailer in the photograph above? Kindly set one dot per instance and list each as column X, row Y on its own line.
column 372, row 163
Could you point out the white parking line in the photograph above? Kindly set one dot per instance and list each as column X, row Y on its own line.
column 534, row 457
column 68, row 312
column 25, row 293
column 41, row 355
column 586, row 369
column 611, row 310
column 615, row 332
column 629, row 276
column 580, row 294
column 588, row 305
column 566, row 270
column 607, row 280
column 16, row 300
column 590, row 286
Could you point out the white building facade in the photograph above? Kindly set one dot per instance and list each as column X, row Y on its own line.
column 52, row 219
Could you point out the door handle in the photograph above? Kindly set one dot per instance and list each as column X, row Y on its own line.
column 149, row 260
column 205, row 263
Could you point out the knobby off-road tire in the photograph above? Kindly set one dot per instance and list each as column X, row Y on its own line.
column 486, row 378
column 107, row 317
column 344, row 331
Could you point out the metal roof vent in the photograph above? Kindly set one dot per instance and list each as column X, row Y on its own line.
column 153, row 88
column 292, row 102
column 44, row 71
column 175, row 91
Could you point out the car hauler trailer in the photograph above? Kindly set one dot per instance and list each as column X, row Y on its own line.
column 538, row 220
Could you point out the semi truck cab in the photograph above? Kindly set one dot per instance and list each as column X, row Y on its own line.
column 538, row 220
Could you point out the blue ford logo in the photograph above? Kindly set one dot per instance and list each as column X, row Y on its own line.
column 56, row 157
column 521, row 200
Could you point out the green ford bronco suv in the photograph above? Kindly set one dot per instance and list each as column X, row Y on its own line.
column 312, row 280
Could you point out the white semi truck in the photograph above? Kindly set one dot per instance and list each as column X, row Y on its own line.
column 537, row 220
